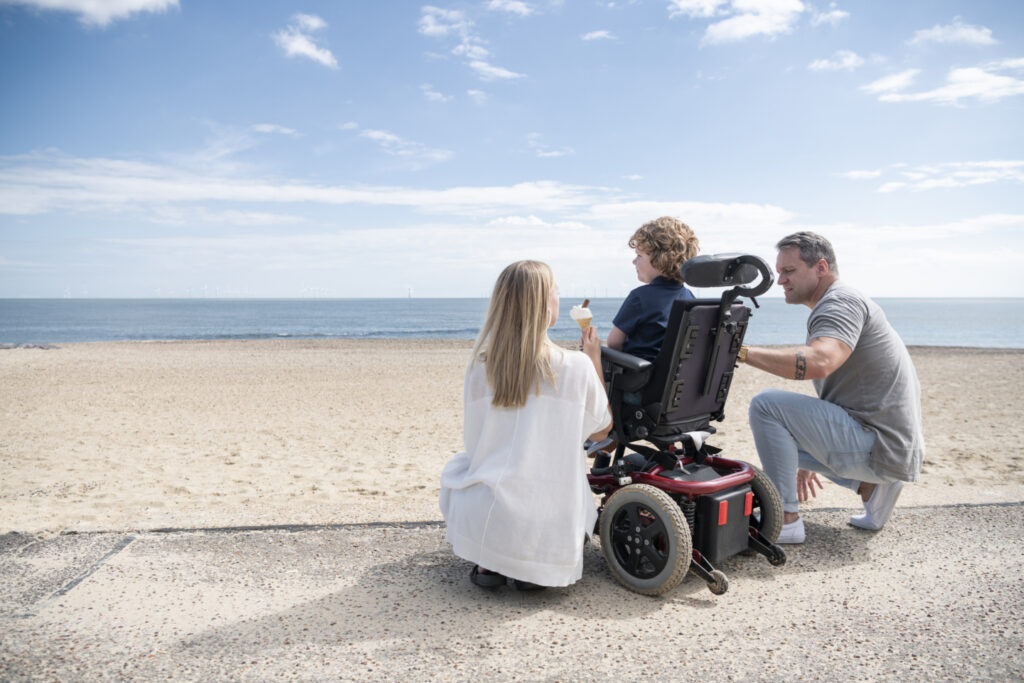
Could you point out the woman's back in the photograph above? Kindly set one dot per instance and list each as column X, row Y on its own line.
column 516, row 500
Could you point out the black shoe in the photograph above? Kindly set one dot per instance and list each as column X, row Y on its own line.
column 490, row 580
column 526, row 586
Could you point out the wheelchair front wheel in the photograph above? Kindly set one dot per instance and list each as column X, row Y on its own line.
column 720, row 583
column 645, row 539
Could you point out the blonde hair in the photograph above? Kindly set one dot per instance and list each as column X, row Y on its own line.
column 669, row 242
column 513, row 344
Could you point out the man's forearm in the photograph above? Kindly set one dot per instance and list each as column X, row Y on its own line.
column 787, row 363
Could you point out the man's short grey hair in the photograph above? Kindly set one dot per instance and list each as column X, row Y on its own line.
column 813, row 247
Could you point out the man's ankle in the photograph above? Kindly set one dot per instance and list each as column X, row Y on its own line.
column 865, row 490
column 790, row 517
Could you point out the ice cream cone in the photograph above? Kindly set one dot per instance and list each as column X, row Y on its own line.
column 582, row 314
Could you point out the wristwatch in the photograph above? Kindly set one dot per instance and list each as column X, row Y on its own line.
column 742, row 355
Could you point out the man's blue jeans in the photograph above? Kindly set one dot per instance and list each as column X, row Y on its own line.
column 793, row 431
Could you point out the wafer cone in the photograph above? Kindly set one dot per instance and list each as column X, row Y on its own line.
column 584, row 323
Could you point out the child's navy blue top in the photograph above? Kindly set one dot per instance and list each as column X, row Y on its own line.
column 643, row 316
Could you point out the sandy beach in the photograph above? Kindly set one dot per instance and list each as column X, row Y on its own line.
column 135, row 436
column 128, row 469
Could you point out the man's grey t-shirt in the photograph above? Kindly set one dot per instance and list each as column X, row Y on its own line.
column 877, row 385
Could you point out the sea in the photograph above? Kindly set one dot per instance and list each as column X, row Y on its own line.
column 985, row 323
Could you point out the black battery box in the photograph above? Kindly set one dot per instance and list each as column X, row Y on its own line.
column 721, row 528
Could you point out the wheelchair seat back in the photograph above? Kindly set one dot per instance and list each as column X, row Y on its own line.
column 688, row 384
column 692, row 374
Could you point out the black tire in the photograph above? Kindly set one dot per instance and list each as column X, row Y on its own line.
column 645, row 539
column 767, row 506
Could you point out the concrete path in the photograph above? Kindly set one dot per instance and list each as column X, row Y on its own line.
column 937, row 595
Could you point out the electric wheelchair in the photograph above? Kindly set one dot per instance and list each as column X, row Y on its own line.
column 677, row 505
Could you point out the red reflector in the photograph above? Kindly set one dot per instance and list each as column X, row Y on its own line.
column 723, row 512
column 748, row 505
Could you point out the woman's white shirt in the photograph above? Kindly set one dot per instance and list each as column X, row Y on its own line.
column 516, row 500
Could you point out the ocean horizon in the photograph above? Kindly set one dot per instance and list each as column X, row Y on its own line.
column 967, row 322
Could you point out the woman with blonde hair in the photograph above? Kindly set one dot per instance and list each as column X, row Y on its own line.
column 516, row 500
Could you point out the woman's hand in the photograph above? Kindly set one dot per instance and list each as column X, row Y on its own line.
column 592, row 346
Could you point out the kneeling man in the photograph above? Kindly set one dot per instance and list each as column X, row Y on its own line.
column 864, row 429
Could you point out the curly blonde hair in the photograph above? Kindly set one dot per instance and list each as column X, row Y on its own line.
column 669, row 242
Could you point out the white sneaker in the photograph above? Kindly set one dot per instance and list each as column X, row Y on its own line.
column 793, row 532
column 878, row 508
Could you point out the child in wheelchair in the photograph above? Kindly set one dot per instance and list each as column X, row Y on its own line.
column 516, row 501
column 662, row 247
column 673, row 504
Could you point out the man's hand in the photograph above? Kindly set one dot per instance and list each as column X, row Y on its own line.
column 805, row 482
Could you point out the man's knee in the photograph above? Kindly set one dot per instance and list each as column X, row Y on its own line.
column 765, row 404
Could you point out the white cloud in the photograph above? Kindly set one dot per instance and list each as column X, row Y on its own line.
column 695, row 8
column 296, row 41
column 177, row 215
column 963, row 84
column 478, row 96
column 489, row 72
column 48, row 182
column 952, row 175
column 843, row 59
column 433, row 95
column 1017, row 63
column 755, row 17
column 482, row 228
column 598, row 35
column 701, row 216
column 1012, row 65
column 833, row 16
column 98, row 12
column 543, row 151
column 957, row 32
column 439, row 22
column 861, row 175
column 633, row 176
column 471, row 50
column 274, row 128
column 309, row 22
column 532, row 221
column 594, row 259
column 511, row 6
column 406, row 149
column 349, row 125
column 892, row 83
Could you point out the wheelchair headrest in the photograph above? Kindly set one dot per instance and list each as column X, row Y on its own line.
column 723, row 270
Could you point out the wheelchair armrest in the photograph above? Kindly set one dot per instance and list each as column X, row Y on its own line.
column 624, row 371
column 625, row 360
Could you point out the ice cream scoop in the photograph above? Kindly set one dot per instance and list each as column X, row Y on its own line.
column 582, row 315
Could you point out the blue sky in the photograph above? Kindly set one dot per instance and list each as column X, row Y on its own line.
column 351, row 149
